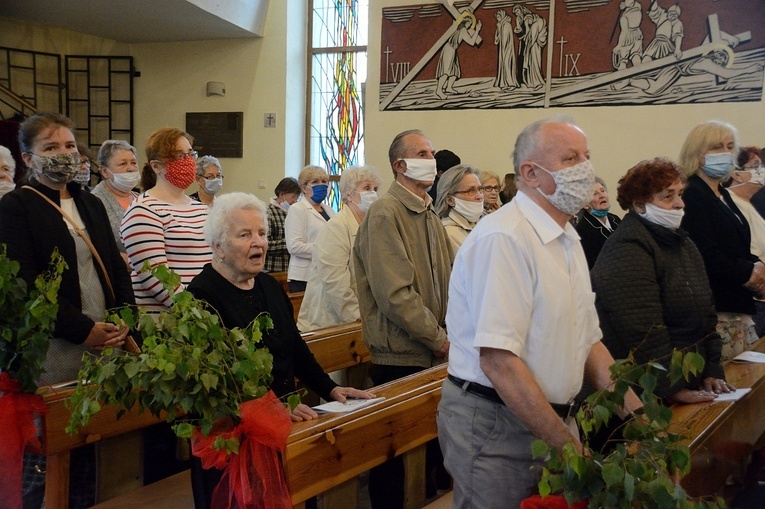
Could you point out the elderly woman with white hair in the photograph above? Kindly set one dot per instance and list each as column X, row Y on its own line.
column 235, row 285
column 460, row 202
column 7, row 171
column 209, row 178
column 596, row 223
column 305, row 219
column 330, row 296
column 118, row 165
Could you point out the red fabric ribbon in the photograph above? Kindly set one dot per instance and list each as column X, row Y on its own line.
column 551, row 502
column 18, row 431
column 254, row 478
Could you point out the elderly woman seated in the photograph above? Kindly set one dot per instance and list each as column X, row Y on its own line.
column 235, row 286
column 652, row 292
column 330, row 296
column 460, row 202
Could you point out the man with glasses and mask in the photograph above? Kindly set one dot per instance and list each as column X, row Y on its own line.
column 532, row 334
column 402, row 260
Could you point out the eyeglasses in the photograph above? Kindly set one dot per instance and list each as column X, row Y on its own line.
column 489, row 189
column 754, row 167
column 472, row 191
column 212, row 177
column 193, row 154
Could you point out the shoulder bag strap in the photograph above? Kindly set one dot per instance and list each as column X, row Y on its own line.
column 84, row 237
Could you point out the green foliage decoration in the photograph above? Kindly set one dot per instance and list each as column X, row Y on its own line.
column 644, row 468
column 27, row 318
column 191, row 370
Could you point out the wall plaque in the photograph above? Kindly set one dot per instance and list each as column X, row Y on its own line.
column 218, row 134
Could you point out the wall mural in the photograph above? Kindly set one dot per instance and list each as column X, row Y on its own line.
column 544, row 53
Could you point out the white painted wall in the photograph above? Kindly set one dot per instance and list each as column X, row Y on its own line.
column 618, row 137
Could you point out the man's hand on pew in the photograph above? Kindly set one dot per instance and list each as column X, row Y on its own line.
column 717, row 385
column 303, row 412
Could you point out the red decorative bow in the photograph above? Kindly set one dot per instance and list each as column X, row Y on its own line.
column 551, row 502
column 19, row 433
column 254, row 478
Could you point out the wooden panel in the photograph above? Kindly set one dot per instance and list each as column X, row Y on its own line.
column 338, row 347
column 721, row 435
column 296, row 299
column 321, row 454
column 281, row 278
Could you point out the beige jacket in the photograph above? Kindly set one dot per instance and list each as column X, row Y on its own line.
column 402, row 260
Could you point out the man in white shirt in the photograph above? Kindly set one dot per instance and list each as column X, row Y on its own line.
column 522, row 325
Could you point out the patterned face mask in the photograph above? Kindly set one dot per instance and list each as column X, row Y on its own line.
column 61, row 168
column 181, row 172
column 573, row 187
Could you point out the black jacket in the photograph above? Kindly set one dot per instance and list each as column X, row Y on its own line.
column 594, row 235
column 238, row 308
column 652, row 295
column 31, row 229
column 721, row 233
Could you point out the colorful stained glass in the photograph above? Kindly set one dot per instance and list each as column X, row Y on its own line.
column 337, row 132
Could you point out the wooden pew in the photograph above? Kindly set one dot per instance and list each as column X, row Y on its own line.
column 281, row 277
column 323, row 455
column 721, row 435
column 296, row 299
column 338, row 347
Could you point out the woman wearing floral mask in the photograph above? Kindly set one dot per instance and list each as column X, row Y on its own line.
column 652, row 293
column 32, row 227
column 460, row 202
column 304, row 221
column 596, row 224
column 748, row 179
column 209, row 179
column 164, row 226
column 721, row 232
column 330, row 296
column 118, row 165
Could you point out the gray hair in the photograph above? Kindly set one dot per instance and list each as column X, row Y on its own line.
column 529, row 141
column 351, row 177
column 204, row 162
column 448, row 184
column 398, row 147
column 602, row 182
column 310, row 173
column 218, row 216
column 485, row 175
column 109, row 147
column 7, row 158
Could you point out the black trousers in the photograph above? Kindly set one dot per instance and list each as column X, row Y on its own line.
column 386, row 481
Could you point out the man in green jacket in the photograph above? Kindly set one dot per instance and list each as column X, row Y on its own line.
column 402, row 259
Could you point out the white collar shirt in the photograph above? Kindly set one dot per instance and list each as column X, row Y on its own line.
column 520, row 283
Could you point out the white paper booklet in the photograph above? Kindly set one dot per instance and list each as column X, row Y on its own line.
column 750, row 356
column 350, row 405
column 732, row 396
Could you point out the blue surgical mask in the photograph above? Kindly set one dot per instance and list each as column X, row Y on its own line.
column 319, row 192
column 718, row 166
column 599, row 213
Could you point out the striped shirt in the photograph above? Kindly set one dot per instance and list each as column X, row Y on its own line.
column 164, row 234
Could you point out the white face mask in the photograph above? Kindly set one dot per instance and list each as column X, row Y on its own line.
column 366, row 199
column 423, row 170
column 125, row 181
column 285, row 205
column 470, row 210
column 573, row 187
column 214, row 185
column 667, row 218
column 757, row 176
column 6, row 187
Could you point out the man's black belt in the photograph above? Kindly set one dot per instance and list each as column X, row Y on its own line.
column 490, row 393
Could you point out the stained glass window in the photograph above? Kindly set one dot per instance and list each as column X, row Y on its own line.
column 338, row 68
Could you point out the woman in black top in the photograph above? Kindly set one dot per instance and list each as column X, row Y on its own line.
column 596, row 223
column 235, row 286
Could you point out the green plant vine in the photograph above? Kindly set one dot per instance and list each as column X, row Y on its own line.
column 644, row 468
column 191, row 371
column 27, row 318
